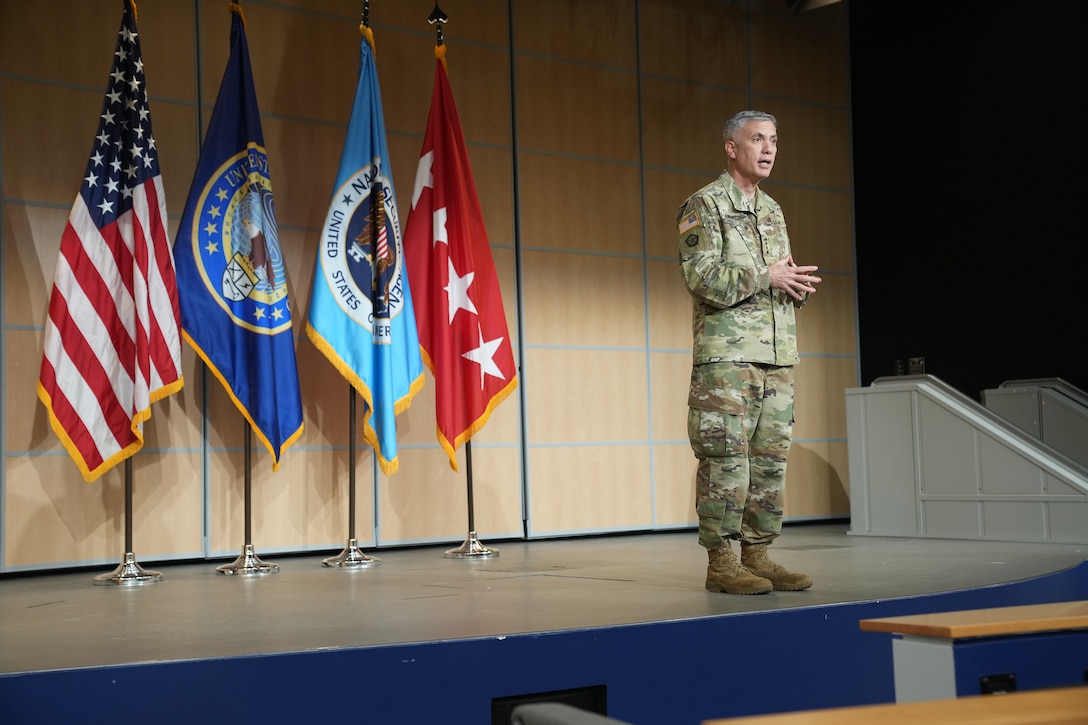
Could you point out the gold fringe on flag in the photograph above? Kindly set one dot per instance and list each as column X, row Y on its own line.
column 366, row 32
column 440, row 54
column 237, row 8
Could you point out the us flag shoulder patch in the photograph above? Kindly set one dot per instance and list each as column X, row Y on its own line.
column 689, row 222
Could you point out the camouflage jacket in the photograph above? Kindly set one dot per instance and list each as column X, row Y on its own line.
column 726, row 243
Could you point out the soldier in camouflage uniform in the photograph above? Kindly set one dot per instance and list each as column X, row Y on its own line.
column 735, row 259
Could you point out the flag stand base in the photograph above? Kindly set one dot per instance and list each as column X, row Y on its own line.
column 128, row 572
column 471, row 549
column 352, row 556
column 248, row 563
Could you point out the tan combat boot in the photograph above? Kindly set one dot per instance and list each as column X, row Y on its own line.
column 755, row 558
column 725, row 574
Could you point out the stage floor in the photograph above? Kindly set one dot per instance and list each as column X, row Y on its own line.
column 63, row 620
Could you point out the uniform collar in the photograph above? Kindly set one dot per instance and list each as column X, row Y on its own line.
column 736, row 196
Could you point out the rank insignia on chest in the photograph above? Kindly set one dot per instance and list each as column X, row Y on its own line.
column 689, row 222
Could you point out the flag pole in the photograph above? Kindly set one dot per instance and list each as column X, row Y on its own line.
column 472, row 548
column 128, row 572
column 352, row 555
column 248, row 562
column 372, row 342
column 118, row 214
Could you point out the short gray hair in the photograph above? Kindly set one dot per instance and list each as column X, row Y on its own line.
column 737, row 121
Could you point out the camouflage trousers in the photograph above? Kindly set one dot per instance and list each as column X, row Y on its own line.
column 740, row 424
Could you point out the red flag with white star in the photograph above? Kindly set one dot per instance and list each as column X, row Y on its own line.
column 458, row 302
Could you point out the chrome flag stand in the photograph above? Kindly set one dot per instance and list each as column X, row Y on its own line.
column 128, row 572
column 352, row 555
column 472, row 548
column 248, row 562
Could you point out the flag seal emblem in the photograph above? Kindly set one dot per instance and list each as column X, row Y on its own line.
column 241, row 262
column 361, row 252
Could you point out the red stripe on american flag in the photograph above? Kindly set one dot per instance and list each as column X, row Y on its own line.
column 383, row 243
column 141, row 309
column 69, row 419
column 101, row 292
column 97, row 370
column 165, row 322
column 73, row 402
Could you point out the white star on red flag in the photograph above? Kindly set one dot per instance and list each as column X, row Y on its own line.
column 457, row 291
column 424, row 177
column 484, row 356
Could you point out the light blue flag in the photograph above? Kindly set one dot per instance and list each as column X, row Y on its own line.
column 231, row 282
column 361, row 316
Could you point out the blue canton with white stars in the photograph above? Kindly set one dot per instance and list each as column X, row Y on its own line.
column 124, row 154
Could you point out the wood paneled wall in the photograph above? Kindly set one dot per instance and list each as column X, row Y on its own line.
column 587, row 121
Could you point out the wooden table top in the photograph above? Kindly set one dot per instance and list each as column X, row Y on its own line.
column 1064, row 706
column 986, row 622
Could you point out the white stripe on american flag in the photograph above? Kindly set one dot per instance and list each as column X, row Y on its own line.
column 160, row 304
column 83, row 401
column 95, row 247
column 69, row 376
column 383, row 243
column 128, row 220
column 87, row 318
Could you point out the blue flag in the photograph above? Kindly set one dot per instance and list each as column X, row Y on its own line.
column 230, row 270
column 361, row 315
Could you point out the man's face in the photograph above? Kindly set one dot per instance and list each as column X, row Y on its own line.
column 752, row 153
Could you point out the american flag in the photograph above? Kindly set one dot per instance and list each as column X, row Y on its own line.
column 112, row 340
column 383, row 243
column 381, row 248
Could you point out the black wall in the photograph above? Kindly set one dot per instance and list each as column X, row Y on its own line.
column 969, row 175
